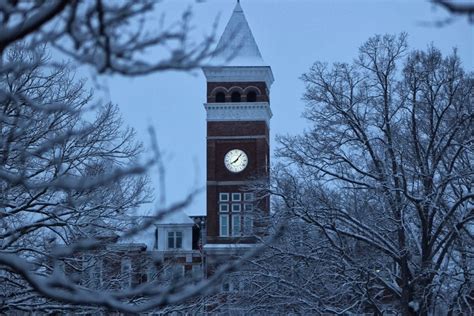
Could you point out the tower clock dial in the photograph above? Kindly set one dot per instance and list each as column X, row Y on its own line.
column 236, row 160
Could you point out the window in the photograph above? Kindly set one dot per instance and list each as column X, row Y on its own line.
column 224, row 225
column 236, row 229
column 235, row 207
column 252, row 96
column 235, row 97
column 235, row 196
column 223, row 197
column 249, row 196
column 232, row 222
column 220, row 97
column 248, row 207
column 223, row 207
column 175, row 240
column 248, row 225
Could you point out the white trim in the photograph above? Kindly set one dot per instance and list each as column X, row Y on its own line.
column 237, row 195
column 238, row 111
column 226, row 206
column 236, row 229
column 222, row 195
column 221, row 226
column 239, row 74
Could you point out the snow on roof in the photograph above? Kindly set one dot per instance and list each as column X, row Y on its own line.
column 237, row 46
column 144, row 236
column 175, row 217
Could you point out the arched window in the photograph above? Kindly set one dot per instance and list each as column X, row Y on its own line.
column 235, row 97
column 252, row 96
column 220, row 97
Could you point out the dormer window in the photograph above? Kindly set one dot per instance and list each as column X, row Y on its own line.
column 252, row 96
column 220, row 97
column 235, row 97
column 175, row 240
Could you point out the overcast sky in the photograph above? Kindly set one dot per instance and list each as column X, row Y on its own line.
column 291, row 35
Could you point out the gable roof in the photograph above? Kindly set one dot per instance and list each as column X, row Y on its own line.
column 177, row 217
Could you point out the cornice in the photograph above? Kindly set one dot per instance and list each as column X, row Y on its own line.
column 239, row 111
column 239, row 74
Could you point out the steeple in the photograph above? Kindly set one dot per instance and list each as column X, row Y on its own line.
column 238, row 138
column 237, row 46
column 237, row 57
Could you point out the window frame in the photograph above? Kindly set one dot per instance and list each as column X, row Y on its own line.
column 236, row 230
column 221, row 197
column 235, row 194
column 248, row 225
column 173, row 236
column 224, row 218
column 223, row 207
column 248, row 207
column 249, row 196
column 238, row 207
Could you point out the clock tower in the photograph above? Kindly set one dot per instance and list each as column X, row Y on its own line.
column 238, row 145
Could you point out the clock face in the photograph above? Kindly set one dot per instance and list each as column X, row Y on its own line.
column 235, row 160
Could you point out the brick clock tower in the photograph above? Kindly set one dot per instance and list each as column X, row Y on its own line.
column 238, row 144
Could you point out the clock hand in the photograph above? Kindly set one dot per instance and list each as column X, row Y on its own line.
column 236, row 159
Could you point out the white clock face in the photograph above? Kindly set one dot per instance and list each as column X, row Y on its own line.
column 235, row 160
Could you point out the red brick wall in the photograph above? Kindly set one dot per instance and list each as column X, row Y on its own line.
column 238, row 128
column 257, row 150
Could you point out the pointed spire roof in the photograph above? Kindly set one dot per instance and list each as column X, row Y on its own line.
column 237, row 46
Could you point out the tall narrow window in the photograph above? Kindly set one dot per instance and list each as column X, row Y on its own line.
column 236, row 227
column 235, row 97
column 220, row 97
column 224, row 225
column 252, row 96
column 248, row 225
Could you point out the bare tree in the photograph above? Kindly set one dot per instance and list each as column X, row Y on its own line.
column 49, row 153
column 69, row 180
column 379, row 189
column 111, row 36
